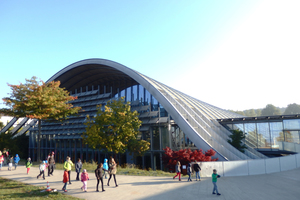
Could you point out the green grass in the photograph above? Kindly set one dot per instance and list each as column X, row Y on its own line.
column 128, row 169
column 16, row 190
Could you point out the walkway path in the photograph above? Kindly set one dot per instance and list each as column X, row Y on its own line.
column 277, row 186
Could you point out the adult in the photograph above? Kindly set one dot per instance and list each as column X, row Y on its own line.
column 51, row 163
column 113, row 171
column 197, row 170
column 78, row 167
column 68, row 166
column 99, row 175
column 178, row 170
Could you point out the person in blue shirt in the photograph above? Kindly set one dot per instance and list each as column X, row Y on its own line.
column 16, row 160
column 105, row 166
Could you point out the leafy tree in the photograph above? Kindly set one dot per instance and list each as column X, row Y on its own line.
column 115, row 129
column 236, row 139
column 292, row 109
column 270, row 110
column 186, row 156
column 39, row 100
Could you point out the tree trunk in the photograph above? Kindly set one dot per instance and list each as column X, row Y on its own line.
column 39, row 142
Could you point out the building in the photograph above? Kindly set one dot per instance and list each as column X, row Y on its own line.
column 170, row 117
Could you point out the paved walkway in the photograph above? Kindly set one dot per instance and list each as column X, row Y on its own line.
column 276, row 186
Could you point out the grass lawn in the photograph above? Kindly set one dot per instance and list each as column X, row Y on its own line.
column 16, row 190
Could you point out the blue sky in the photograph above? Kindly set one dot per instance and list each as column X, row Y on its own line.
column 232, row 54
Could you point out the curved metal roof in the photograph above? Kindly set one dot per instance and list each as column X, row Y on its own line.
column 196, row 118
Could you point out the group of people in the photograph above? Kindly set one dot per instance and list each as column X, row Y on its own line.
column 197, row 169
column 6, row 159
column 103, row 169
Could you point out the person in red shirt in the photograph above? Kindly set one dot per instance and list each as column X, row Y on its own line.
column 65, row 180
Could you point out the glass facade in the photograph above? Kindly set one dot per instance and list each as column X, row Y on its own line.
column 267, row 134
column 65, row 140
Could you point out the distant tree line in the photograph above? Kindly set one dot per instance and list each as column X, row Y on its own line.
column 270, row 110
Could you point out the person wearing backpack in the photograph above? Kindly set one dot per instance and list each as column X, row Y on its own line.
column 42, row 170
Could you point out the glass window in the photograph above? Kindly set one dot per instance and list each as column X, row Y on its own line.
column 263, row 133
column 155, row 138
column 146, row 136
column 147, row 98
column 128, row 94
column 251, row 135
column 141, row 93
column 276, row 134
column 165, row 137
column 292, row 124
column 134, row 93
column 292, row 136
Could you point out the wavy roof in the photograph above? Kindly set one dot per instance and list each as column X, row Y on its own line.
column 196, row 118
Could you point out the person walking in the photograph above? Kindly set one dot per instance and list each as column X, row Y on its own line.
column 178, row 170
column 1, row 160
column 215, row 176
column 68, row 166
column 105, row 166
column 16, row 160
column 113, row 171
column 65, row 180
column 42, row 170
column 28, row 164
column 189, row 172
column 84, row 179
column 51, row 163
column 99, row 175
column 78, row 167
column 10, row 163
column 197, row 170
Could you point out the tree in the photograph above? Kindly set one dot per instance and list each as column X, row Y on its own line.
column 270, row 110
column 186, row 156
column 237, row 138
column 39, row 100
column 115, row 129
column 292, row 109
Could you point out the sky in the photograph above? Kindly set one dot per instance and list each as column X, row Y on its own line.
column 232, row 54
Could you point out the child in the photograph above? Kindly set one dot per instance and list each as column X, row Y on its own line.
column 105, row 166
column 99, row 175
column 178, row 170
column 42, row 170
column 65, row 180
column 16, row 160
column 214, row 181
column 189, row 172
column 28, row 164
column 84, row 179
column 10, row 163
column 78, row 167
column 1, row 160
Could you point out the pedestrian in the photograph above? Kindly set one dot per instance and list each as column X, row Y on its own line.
column 10, row 163
column 1, row 160
column 113, row 171
column 197, row 170
column 189, row 172
column 65, row 180
column 42, row 170
column 215, row 176
column 16, row 160
column 68, row 166
column 84, row 179
column 99, row 175
column 28, row 164
column 51, row 163
column 105, row 166
column 78, row 167
column 178, row 170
